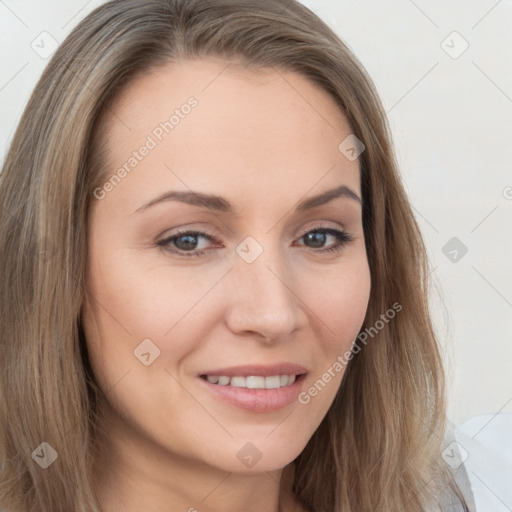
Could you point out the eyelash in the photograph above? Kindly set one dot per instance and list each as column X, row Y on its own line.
column 343, row 238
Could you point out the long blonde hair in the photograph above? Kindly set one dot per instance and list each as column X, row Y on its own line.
column 378, row 448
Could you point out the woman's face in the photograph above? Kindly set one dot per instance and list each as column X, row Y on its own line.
column 177, row 324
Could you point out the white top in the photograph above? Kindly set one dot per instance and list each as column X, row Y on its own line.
column 485, row 447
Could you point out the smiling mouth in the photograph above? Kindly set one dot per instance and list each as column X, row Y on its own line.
column 253, row 381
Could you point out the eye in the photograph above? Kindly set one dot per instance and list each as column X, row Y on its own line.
column 319, row 235
column 185, row 243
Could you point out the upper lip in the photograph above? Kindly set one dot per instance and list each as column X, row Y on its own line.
column 258, row 370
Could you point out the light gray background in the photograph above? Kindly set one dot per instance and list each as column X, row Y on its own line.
column 451, row 119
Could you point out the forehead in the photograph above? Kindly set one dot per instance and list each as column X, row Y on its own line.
column 258, row 130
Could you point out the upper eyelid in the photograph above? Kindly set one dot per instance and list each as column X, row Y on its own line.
column 216, row 233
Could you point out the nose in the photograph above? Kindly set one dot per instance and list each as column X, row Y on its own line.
column 262, row 299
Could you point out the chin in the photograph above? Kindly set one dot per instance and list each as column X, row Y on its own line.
column 255, row 455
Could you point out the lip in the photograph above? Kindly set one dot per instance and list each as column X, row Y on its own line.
column 259, row 370
column 257, row 400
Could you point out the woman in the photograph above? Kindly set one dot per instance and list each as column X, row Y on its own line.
column 215, row 292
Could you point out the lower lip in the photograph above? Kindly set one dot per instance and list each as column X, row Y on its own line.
column 257, row 400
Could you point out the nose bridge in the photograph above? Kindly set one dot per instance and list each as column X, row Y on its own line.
column 262, row 300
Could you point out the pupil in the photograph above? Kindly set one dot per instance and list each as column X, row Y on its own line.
column 318, row 239
column 189, row 243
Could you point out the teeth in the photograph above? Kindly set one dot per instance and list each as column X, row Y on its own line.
column 252, row 381
column 238, row 382
column 223, row 381
column 273, row 382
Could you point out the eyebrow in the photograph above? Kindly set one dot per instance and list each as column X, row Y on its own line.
column 222, row 205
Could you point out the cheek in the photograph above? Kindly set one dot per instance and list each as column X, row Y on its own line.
column 339, row 300
column 137, row 299
column 133, row 310
column 338, row 307
column 132, row 300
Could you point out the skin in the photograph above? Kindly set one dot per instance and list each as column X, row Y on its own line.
column 263, row 140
